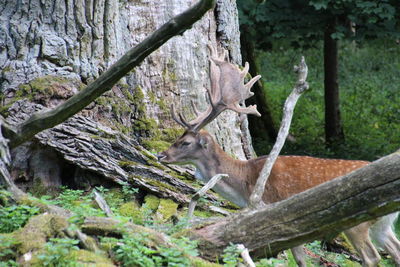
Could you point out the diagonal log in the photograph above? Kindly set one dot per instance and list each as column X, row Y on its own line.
column 325, row 210
column 40, row 121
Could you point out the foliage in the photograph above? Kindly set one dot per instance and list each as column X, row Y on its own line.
column 15, row 216
column 134, row 250
column 56, row 252
column 231, row 256
column 304, row 21
column 370, row 74
column 7, row 251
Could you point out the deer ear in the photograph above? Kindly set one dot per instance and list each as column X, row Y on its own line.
column 203, row 142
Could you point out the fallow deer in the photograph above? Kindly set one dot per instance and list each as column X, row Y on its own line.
column 290, row 174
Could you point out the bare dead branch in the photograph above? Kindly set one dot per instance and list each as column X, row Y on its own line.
column 300, row 87
column 210, row 184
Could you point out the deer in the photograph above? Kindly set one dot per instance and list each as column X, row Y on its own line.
column 290, row 174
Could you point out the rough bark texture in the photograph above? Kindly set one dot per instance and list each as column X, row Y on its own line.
column 333, row 124
column 63, row 45
column 87, row 153
column 362, row 195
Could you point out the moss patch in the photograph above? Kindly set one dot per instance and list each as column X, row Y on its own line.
column 155, row 145
column 151, row 202
column 166, row 209
column 36, row 232
column 132, row 210
column 88, row 258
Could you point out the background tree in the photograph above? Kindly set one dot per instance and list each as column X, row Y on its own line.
column 306, row 22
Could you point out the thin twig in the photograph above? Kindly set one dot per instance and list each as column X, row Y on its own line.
column 210, row 184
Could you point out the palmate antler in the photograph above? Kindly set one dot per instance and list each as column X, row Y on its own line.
column 227, row 91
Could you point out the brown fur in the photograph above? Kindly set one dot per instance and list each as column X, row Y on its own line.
column 290, row 175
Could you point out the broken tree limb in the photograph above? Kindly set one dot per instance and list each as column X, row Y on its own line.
column 288, row 108
column 248, row 261
column 41, row 121
column 102, row 203
column 325, row 210
column 210, row 184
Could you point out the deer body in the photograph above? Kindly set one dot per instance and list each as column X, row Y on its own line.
column 290, row 174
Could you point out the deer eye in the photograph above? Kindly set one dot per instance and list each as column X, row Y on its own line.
column 185, row 144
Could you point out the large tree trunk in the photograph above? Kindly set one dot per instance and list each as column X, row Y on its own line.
column 53, row 49
column 333, row 124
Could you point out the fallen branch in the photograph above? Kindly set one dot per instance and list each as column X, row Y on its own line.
column 210, row 184
column 102, row 204
column 290, row 103
column 325, row 210
column 248, row 261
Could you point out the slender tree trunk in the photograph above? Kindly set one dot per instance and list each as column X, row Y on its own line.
column 264, row 126
column 333, row 125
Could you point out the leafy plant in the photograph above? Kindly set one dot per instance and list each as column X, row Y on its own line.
column 15, row 216
column 78, row 202
column 230, row 256
column 7, row 251
column 56, row 252
column 134, row 250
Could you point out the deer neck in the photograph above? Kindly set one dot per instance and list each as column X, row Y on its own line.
column 233, row 187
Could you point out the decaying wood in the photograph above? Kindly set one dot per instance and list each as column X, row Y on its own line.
column 300, row 87
column 365, row 194
column 102, row 203
column 108, row 153
column 41, row 121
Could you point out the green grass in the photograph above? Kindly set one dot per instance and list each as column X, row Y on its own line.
column 369, row 80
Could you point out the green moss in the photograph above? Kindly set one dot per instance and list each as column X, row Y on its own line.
column 152, row 202
column 154, row 182
column 155, row 145
column 126, row 163
column 42, row 85
column 204, row 214
column 199, row 262
column 167, row 209
column 152, row 97
column 34, row 235
column 132, row 210
column 88, row 258
column 163, row 106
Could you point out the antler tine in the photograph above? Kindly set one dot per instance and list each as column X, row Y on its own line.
column 245, row 70
column 251, row 82
column 195, row 110
column 181, row 120
column 227, row 90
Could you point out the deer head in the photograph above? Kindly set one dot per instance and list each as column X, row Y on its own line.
column 227, row 91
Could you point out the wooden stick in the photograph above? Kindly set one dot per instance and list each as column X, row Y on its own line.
column 210, row 184
column 300, row 87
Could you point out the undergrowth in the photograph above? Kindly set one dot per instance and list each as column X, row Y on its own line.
column 369, row 78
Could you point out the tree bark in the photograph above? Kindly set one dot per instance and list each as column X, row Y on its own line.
column 333, row 124
column 49, row 60
column 325, row 210
column 44, row 120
